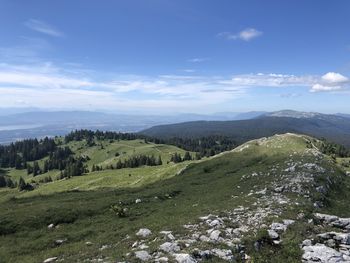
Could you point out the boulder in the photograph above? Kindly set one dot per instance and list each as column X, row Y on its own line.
column 321, row 254
column 144, row 232
column 143, row 255
column 51, row 226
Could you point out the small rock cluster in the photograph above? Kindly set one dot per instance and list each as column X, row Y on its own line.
column 329, row 246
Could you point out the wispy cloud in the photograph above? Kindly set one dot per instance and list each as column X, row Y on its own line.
column 198, row 60
column 41, row 84
column 245, row 35
column 43, row 27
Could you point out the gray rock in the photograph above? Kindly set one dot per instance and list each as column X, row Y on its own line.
column 51, row 226
column 279, row 189
column 341, row 222
column 144, row 232
column 214, row 235
column 215, row 223
column 59, row 242
column 161, row 259
column 184, row 258
column 306, row 242
column 321, row 254
column 288, row 222
column 326, row 218
column 169, row 247
column 143, row 255
column 205, row 254
column 278, row 227
column 204, row 238
column 49, row 260
column 272, row 234
column 342, row 238
column 330, row 243
column 224, row 254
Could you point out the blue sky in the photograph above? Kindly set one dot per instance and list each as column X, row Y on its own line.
column 160, row 56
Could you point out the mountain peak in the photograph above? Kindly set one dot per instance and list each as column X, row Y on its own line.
column 293, row 114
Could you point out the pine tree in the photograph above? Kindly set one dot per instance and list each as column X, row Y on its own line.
column 22, row 184
column 187, row 157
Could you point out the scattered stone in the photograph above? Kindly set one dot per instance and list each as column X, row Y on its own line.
column 278, row 227
column 161, row 259
column 143, row 255
column 144, row 232
column 184, row 258
column 103, row 247
column 306, row 242
column 169, row 247
column 279, row 189
column 214, row 235
column 272, row 234
column 224, row 254
column 326, row 218
column 88, row 243
column 138, row 201
column 262, row 192
column 49, row 260
column 143, row 246
column 51, row 226
column 59, row 242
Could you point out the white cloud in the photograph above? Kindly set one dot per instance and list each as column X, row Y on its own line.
column 246, row 34
column 332, row 77
column 321, row 87
column 43, row 27
column 331, row 82
column 271, row 80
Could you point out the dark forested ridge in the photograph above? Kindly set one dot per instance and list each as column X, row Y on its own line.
column 333, row 128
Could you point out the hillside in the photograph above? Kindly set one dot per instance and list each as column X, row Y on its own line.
column 331, row 127
column 255, row 202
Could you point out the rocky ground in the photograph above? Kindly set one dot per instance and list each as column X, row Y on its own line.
column 271, row 206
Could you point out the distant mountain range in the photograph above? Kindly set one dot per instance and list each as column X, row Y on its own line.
column 241, row 126
column 38, row 123
column 332, row 127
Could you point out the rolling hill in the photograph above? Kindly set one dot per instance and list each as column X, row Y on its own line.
column 331, row 127
column 256, row 202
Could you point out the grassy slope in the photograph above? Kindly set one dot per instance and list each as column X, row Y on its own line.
column 104, row 156
column 210, row 186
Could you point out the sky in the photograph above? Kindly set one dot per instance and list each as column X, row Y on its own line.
column 178, row 56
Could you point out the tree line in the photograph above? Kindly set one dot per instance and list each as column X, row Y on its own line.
column 334, row 149
column 132, row 162
column 17, row 154
column 205, row 146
